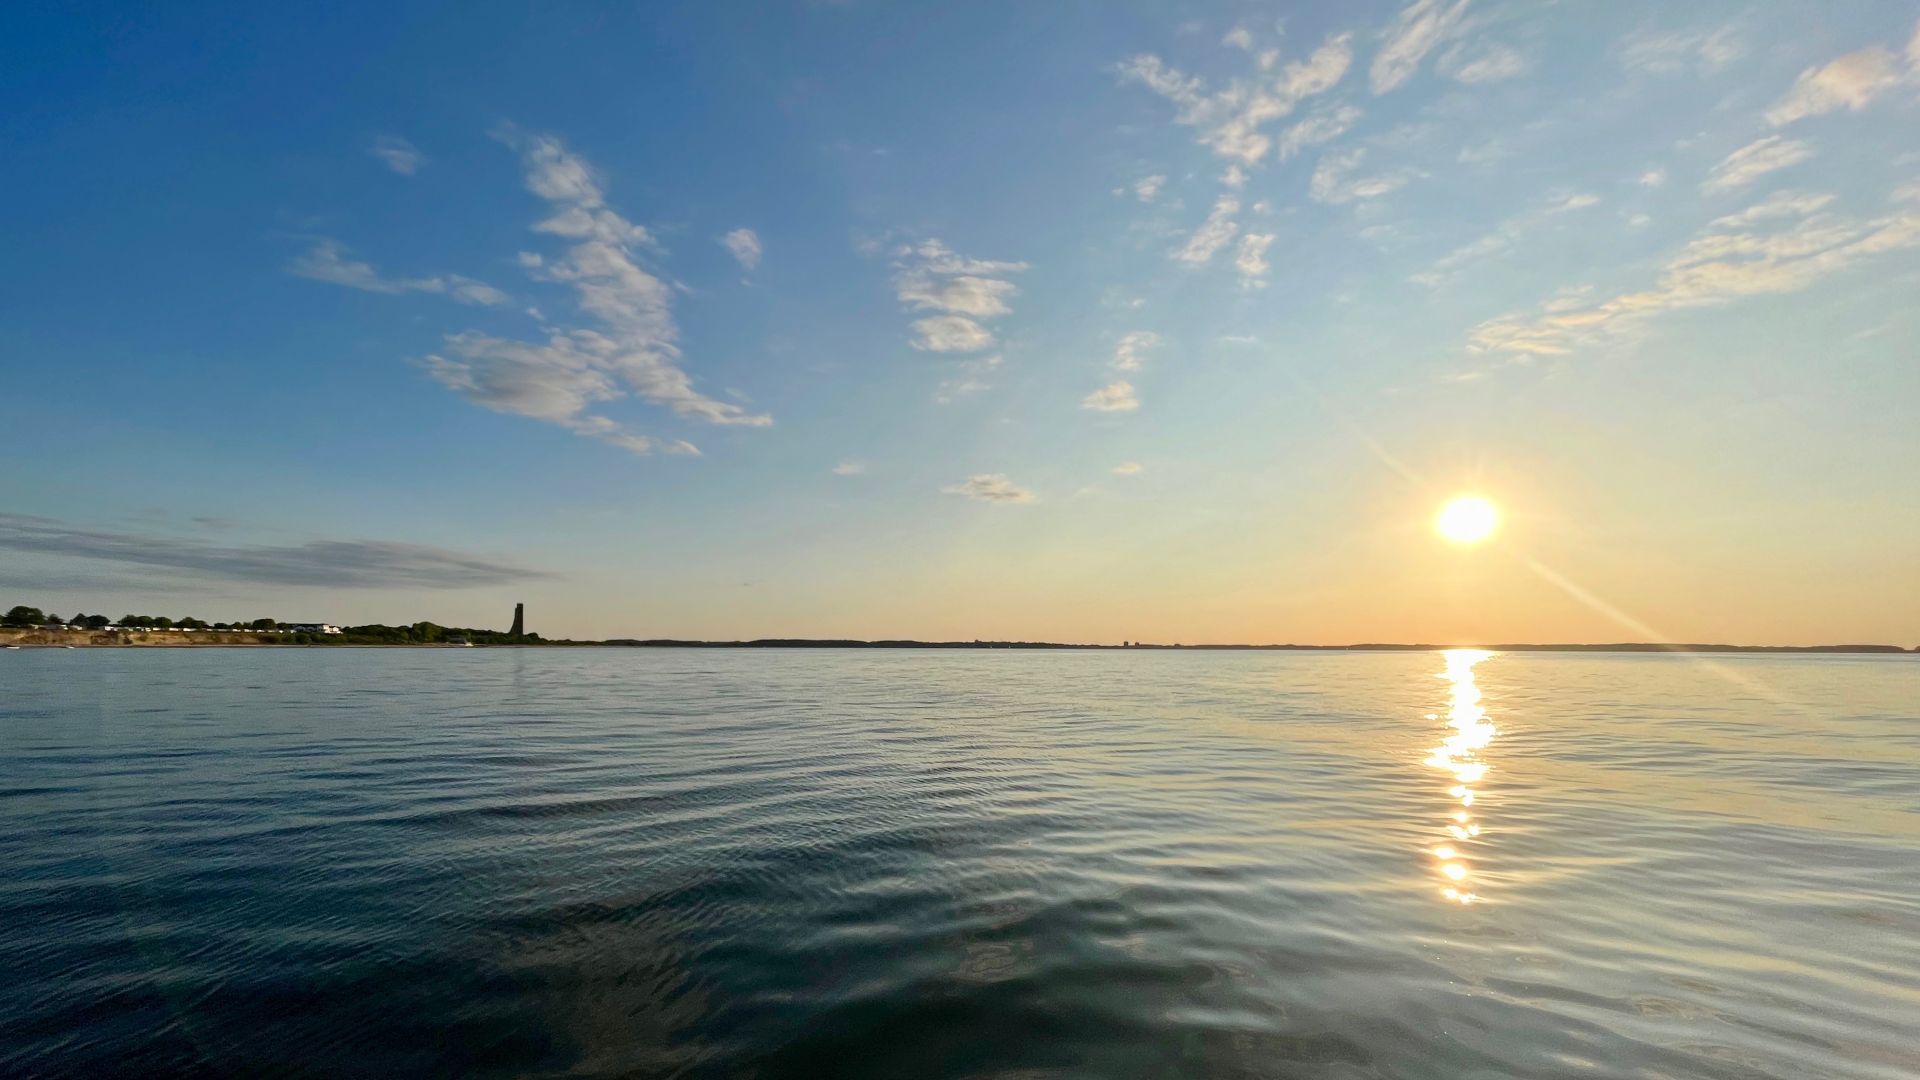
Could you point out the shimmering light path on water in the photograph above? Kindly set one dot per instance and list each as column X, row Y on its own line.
column 957, row 864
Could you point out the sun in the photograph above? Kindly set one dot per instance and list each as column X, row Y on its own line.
column 1467, row 519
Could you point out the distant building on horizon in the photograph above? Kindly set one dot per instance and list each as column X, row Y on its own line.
column 519, row 620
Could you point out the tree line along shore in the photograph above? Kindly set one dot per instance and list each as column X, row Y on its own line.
column 29, row 627
column 23, row 625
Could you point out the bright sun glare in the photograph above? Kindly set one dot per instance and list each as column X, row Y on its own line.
column 1467, row 519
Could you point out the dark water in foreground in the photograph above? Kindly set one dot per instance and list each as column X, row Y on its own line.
column 992, row 864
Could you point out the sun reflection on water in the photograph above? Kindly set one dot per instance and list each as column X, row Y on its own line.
column 1460, row 754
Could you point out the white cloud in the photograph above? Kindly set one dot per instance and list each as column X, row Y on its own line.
column 634, row 349
column 1147, row 188
column 1568, row 298
column 1653, row 178
column 991, row 487
column 936, row 257
column 1703, row 51
column 1779, row 204
column 1413, row 34
column 1505, row 235
column 1781, row 245
column 555, row 381
column 1234, row 177
column 930, row 276
column 1229, row 120
column 950, row 333
column 971, row 379
column 1849, row 82
column 1128, row 468
column 398, row 154
column 745, row 246
column 850, row 468
column 328, row 261
column 965, row 294
column 1325, row 125
column 1252, row 260
column 1239, row 38
column 1212, row 235
column 1333, row 181
column 1579, row 200
column 1754, row 160
column 1490, row 63
column 575, row 222
column 1114, row 397
column 1130, row 353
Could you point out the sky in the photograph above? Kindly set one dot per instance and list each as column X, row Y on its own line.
column 1068, row 321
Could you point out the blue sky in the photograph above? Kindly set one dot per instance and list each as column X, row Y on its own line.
column 1079, row 321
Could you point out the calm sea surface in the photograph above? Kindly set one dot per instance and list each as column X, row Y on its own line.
column 393, row 863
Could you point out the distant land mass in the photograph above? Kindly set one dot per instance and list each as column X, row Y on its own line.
column 430, row 636
column 27, row 626
column 1373, row 646
column 59, row 638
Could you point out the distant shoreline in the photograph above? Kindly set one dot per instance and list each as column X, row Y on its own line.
column 57, row 639
column 1628, row 646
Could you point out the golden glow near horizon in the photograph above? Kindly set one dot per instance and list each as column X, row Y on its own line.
column 1467, row 519
column 1459, row 754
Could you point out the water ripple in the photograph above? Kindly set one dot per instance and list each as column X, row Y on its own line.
column 925, row 864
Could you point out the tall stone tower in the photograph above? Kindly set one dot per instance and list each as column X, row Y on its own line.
column 519, row 620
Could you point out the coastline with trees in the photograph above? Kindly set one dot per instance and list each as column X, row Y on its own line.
column 30, row 627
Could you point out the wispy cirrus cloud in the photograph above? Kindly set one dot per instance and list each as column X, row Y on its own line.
column 1419, row 28
column 1339, row 179
column 1230, row 120
column 1485, row 63
column 1781, row 204
column 1128, row 468
column 1665, row 52
column 1850, row 82
column 329, row 261
column 1783, row 244
column 1323, row 126
column 398, row 154
column 991, row 488
column 1504, row 236
column 341, row 564
column 1216, row 232
column 1755, row 160
column 634, row 348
